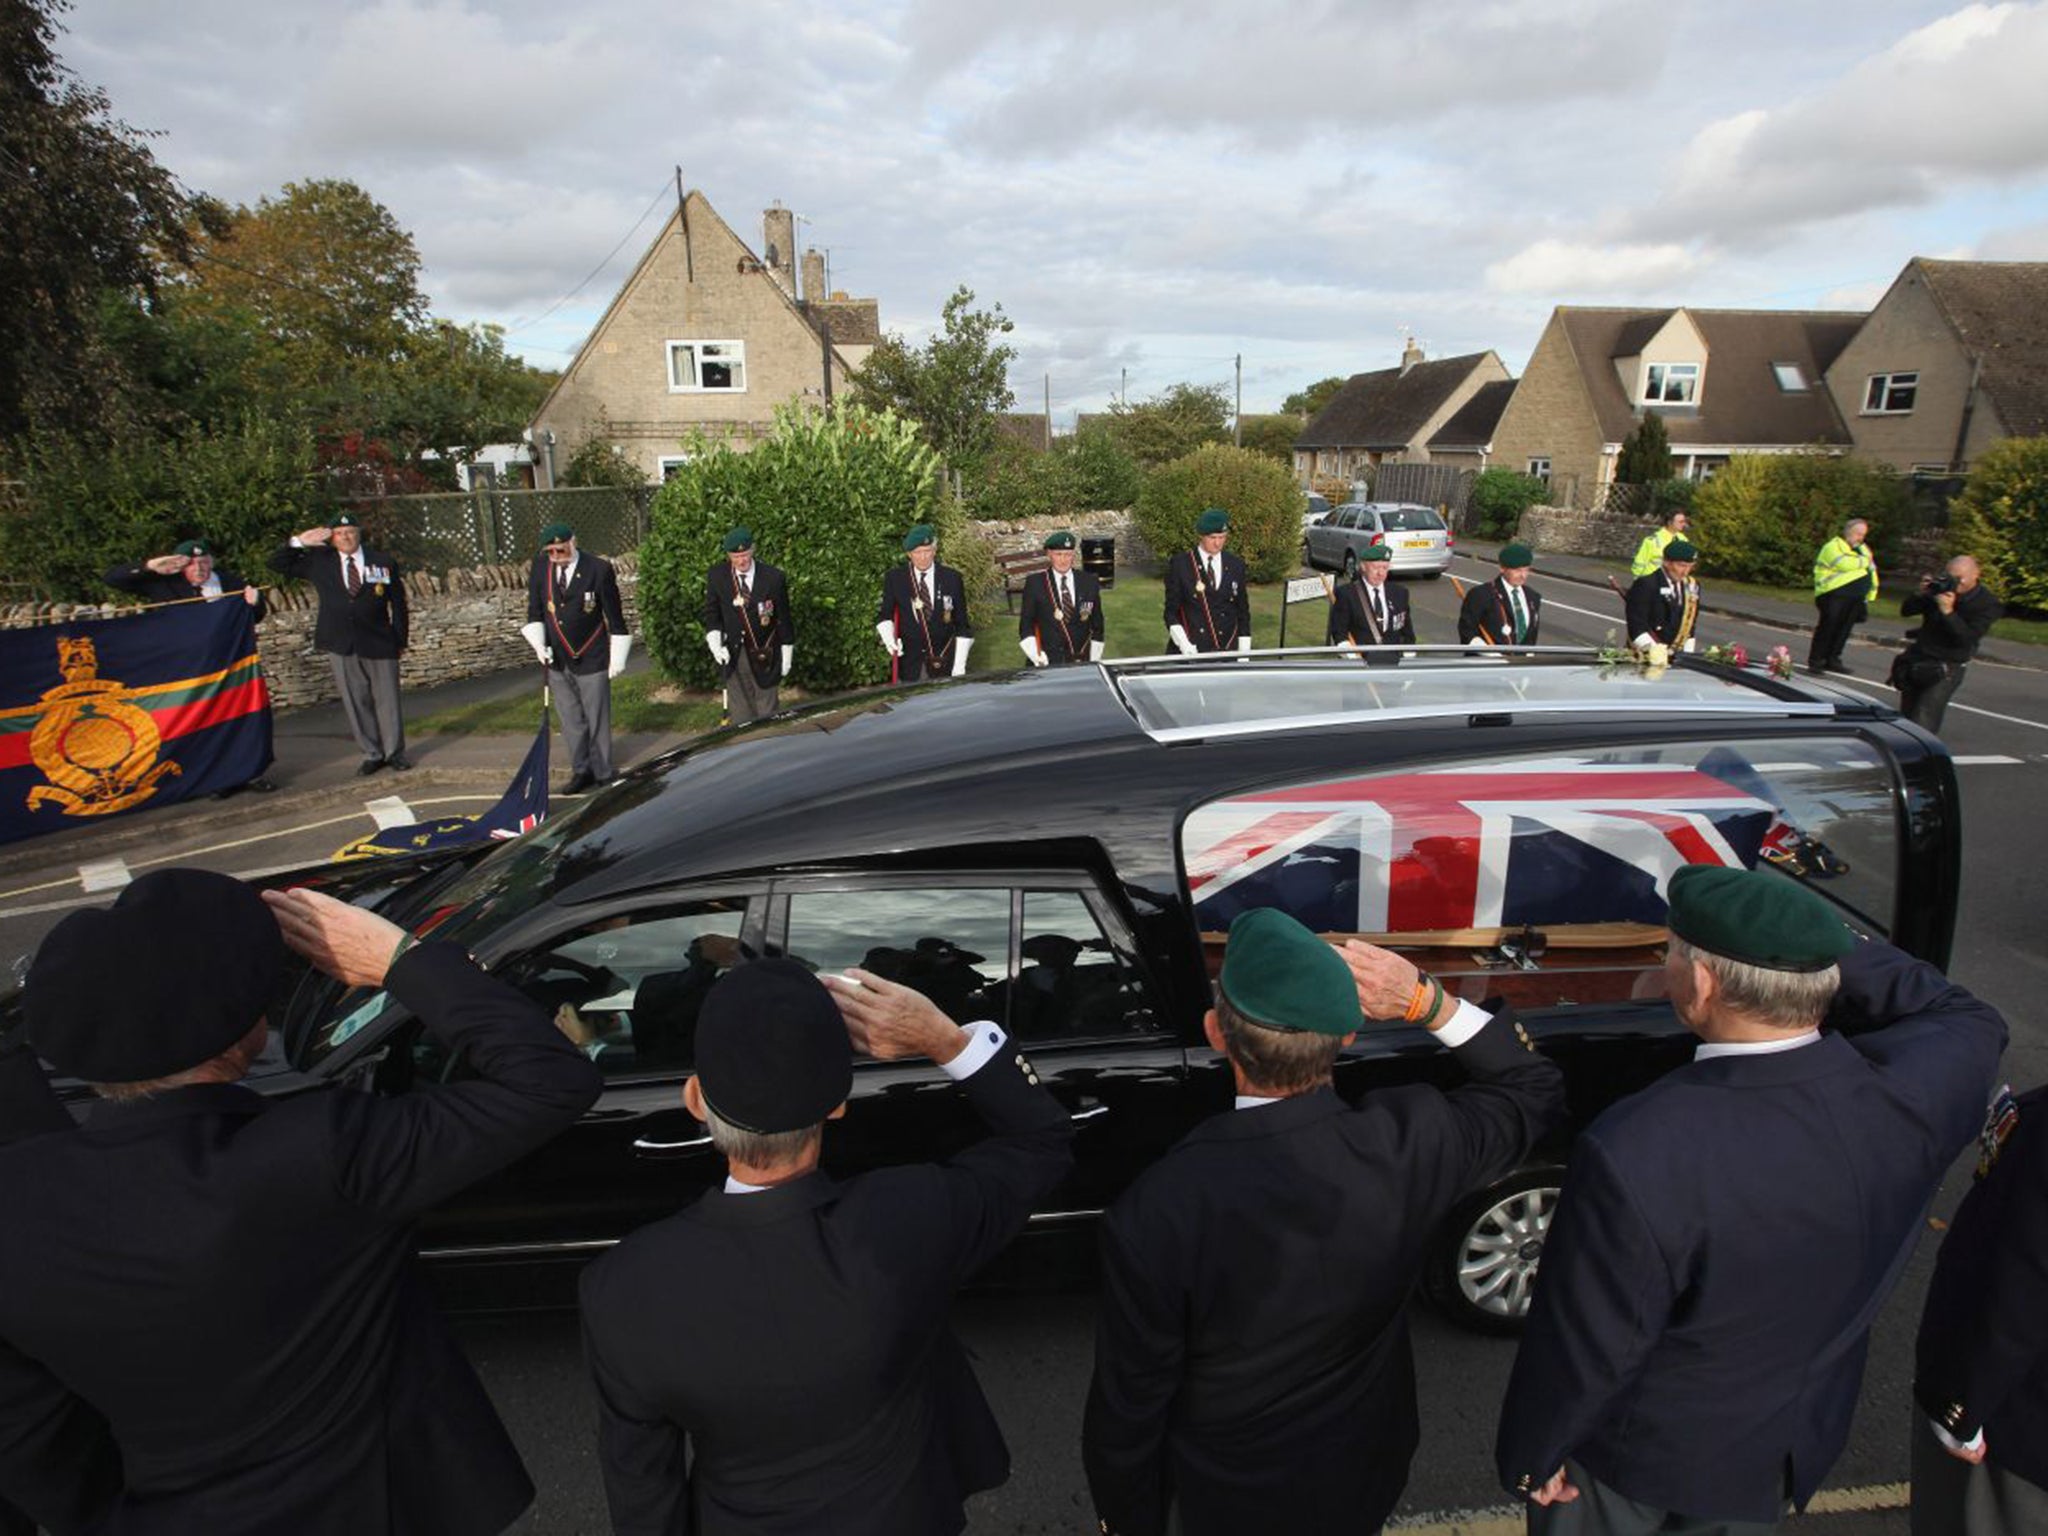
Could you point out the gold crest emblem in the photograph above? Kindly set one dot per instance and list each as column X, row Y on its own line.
column 94, row 744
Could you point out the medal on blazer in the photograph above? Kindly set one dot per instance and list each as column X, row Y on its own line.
column 575, row 652
column 590, row 602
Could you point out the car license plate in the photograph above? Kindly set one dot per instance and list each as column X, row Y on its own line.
column 1415, row 543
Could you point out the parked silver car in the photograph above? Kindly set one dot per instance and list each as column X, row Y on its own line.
column 1416, row 535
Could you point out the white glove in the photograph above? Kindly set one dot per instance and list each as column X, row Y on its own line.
column 1644, row 641
column 886, row 632
column 535, row 635
column 715, row 643
column 1180, row 640
column 1095, row 649
column 1029, row 646
column 788, row 659
column 1691, row 644
column 622, row 647
column 961, row 646
column 1244, row 643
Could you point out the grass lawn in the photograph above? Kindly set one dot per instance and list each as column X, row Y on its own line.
column 645, row 701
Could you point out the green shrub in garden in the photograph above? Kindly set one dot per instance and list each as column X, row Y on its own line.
column 828, row 496
column 1261, row 497
column 1763, row 516
column 1500, row 497
column 2001, row 517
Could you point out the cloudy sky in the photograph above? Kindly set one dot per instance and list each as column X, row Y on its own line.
column 1151, row 189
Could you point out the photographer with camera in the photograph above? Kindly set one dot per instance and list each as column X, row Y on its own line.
column 1957, row 614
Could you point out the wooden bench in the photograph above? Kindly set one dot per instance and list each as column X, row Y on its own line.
column 1018, row 569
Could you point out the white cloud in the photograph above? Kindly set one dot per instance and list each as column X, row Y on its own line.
column 1573, row 271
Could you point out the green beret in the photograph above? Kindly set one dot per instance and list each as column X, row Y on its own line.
column 1215, row 520
column 1278, row 974
column 1516, row 557
column 192, row 547
column 1375, row 552
column 1060, row 540
column 1680, row 549
column 1756, row 916
column 736, row 540
column 346, row 520
column 919, row 536
column 557, row 533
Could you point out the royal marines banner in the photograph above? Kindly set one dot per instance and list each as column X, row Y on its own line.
column 522, row 807
column 106, row 716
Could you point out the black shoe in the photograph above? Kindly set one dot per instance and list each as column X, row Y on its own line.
column 1814, row 671
column 401, row 762
column 261, row 786
column 1837, row 666
column 368, row 766
column 577, row 784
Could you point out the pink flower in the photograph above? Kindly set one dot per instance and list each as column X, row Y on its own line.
column 1739, row 655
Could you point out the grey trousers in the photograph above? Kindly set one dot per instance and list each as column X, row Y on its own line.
column 1600, row 1511
column 584, row 700
column 746, row 699
column 1953, row 1498
column 369, row 697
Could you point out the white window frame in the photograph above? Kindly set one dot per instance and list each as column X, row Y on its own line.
column 1659, row 377
column 1883, row 387
column 667, row 461
column 1783, row 371
column 732, row 353
column 1539, row 466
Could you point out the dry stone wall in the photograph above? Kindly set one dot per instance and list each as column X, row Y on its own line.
column 1568, row 531
column 1014, row 537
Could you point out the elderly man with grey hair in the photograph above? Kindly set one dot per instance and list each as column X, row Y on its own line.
column 1844, row 582
column 1726, row 1236
column 1956, row 613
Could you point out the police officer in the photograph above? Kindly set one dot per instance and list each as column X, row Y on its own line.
column 186, row 573
column 1844, row 583
column 1651, row 552
column 1956, row 613
column 748, row 628
column 1663, row 606
column 1505, row 610
column 1693, row 1357
column 1060, row 620
column 227, row 1276
column 1372, row 611
column 922, row 621
column 1252, row 1364
column 1980, row 1378
column 576, row 625
column 777, row 1356
column 1208, row 599
column 362, row 625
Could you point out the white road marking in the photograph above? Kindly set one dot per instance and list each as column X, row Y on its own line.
column 1969, row 709
column 103, row 875
column 391, row 811
column 1988, row 760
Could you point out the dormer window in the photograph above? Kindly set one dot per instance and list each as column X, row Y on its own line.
column 1672, row 384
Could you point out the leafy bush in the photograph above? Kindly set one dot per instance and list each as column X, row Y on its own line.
column 1500, row 497
column 1110, row 478
column 1271, row 435
column 2001, row 517
column 244, row 486
column 1017, row 482
column 828, row 496
column 1764, row 516
column 600, row 461
column 1261, row 497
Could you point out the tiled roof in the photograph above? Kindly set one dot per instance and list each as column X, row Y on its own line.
column 2000, row 311
column 1385, row 409
column 1472, row 424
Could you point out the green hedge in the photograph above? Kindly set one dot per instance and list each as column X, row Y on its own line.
column 2001, row 517
column 1261, row 497
column 1500, row 497
column 828, row 496
column 1763, row 517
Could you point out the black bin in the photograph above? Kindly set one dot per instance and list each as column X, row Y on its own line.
column 1098, row 558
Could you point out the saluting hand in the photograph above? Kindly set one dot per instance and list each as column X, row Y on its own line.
column 889, row 1021
column 348, row 943
column 318, row 535
column 166, row 565
column 1385, row 981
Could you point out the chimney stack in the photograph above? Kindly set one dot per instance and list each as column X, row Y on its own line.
column 1410, row 355
column 778, row 238
column 814, row 276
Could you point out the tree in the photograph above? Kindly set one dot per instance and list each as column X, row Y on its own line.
column 453, row 390
column 951, row 388
column 1310, row 401
column 1110, row 478
column 1272, row 436
column 1645, row 453
column 85, row 211
column 1499, row 498
column 1171, row 424
column 600, row 461
column 2001, row 517
column 1262, row 499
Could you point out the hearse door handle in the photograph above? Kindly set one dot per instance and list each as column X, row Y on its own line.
column 1089, row 1109
column 647, row 1144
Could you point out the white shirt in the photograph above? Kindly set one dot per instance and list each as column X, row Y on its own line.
column 985, row 1038
column 564, row 574
column 1709, row 1049
column 1466, row 1020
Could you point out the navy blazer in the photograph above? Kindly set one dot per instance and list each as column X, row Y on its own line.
column 1485, row 616
column 1655, row 605
column 757, row 632
column 1252, row 1361
column 1981, row 1361
column 796, row 1340
column 927, row 637
column 1725, row 1237
column 227, row 1279
column 1213, row 620
column 375, row 624
column 1351, row 619
column 1062, row 641
column 581, row 622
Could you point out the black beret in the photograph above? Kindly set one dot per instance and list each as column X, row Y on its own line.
column 178, row 969
column 1756, row 916
column 772, row 1051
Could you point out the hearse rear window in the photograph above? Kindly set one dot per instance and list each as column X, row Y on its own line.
column 1566, row 855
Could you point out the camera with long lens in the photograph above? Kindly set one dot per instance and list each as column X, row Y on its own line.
column 1936, row 585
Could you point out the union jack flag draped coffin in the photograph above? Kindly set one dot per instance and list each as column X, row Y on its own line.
column 1542, row 843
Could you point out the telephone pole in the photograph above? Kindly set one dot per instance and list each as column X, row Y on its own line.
column 1237, row 421
column 1048, row 413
